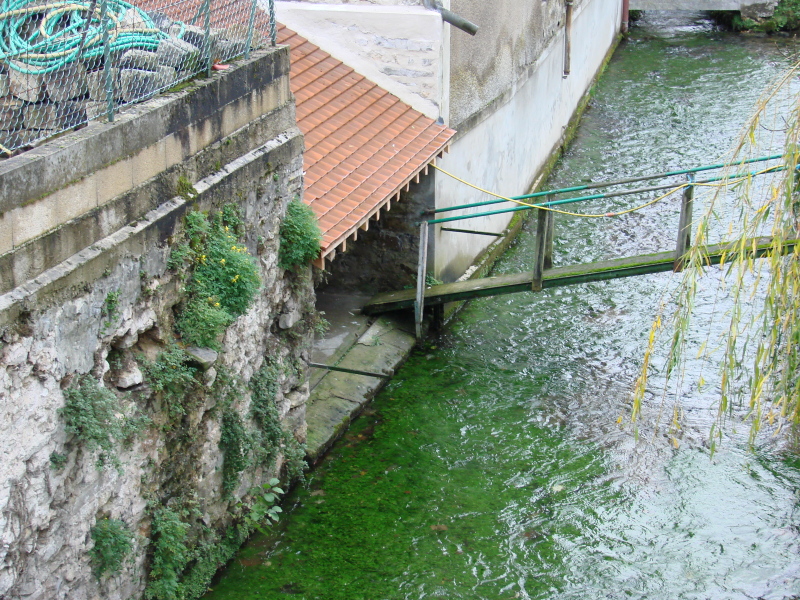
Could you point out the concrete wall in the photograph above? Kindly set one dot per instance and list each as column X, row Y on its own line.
column 486, row 68
column 56, row 327
column 520, row 108
column 751, row 8
column 401, row 48
column 385, row 257
column 60, row 197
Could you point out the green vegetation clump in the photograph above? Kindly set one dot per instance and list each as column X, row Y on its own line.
column 299, row 236
column 223, row 277
column 58, row 460
column 185, row 188
column 294, row 455
column 208, row 557
column 92, row 414
column 263, row 390
column 236, row 445
column 264, row 507
column 171, row 376
column 270, row 437
column 240, row 447
column 170, row 555
column 110, row 309
column 112, row 545
column 182, row 570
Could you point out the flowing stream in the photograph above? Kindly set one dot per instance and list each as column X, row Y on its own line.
column 493, row 466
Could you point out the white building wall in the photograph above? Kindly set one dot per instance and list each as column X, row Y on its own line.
column 502, row 89
column 404, row 49
column 507, row 147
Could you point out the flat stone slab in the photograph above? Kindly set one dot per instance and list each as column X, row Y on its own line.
column 178, row 54
column 340, row 397
column 67, row 83
column 382, row 358
column 355, row 388
column 326, row 422
column 347, row 324
column 139, row 59
column 203, row 357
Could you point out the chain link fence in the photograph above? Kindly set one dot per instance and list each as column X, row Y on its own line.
column 65, row 62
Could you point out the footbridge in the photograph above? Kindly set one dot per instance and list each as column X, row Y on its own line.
column 545, row 276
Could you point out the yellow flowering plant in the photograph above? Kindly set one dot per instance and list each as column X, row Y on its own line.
column 223, row 278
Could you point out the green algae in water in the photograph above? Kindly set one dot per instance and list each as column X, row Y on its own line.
column 426, row 497
column 493, row 467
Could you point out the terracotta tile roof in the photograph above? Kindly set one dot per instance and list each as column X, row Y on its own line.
column 363, row 144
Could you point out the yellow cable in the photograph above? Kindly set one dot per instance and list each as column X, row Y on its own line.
column 556, row 210
column 609, row 214
column 5, row 150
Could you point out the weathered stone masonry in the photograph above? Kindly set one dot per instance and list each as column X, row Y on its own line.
column 95, row 216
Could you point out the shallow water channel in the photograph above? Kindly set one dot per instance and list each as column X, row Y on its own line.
column 493, row 466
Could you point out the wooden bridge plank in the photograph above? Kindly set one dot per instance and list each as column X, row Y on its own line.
column 560, row 276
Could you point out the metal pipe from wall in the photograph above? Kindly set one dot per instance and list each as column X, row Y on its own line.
column 567, row 36
column 625, row 12
column 449, row 16
column 457, row 21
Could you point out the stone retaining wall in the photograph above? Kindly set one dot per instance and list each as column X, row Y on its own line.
column 102, row 302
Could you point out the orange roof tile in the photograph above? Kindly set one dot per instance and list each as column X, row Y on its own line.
column 363, row 144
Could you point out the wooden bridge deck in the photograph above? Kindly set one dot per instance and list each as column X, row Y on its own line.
column 559, row 276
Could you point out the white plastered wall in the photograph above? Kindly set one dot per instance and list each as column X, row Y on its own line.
column 401, row 48
column 504, row 152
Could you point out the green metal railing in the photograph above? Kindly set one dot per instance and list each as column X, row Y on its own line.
column 545, row 223
column 598, row 185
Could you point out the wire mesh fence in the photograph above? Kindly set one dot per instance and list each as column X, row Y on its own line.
column 65, row 62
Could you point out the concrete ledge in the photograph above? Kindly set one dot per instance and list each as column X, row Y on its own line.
column 341, row 397
column 153, row 229
column 397, row 47
column 67, row 159
column 33, row 257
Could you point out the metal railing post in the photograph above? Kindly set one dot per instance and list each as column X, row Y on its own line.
column 684, row 224
column 250, row 26
column 548, row 242
column 206, row 10
column 107, row 70
column 422, row 274
column 544, row 219
column 273, row 26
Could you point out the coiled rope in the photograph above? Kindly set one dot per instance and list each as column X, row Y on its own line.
column 41, row 38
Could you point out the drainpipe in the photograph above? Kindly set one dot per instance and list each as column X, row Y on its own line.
column 567, row 36
column 625, row 5
column 451, row 17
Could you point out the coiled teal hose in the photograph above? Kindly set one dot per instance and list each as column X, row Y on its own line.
column 42, row 38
